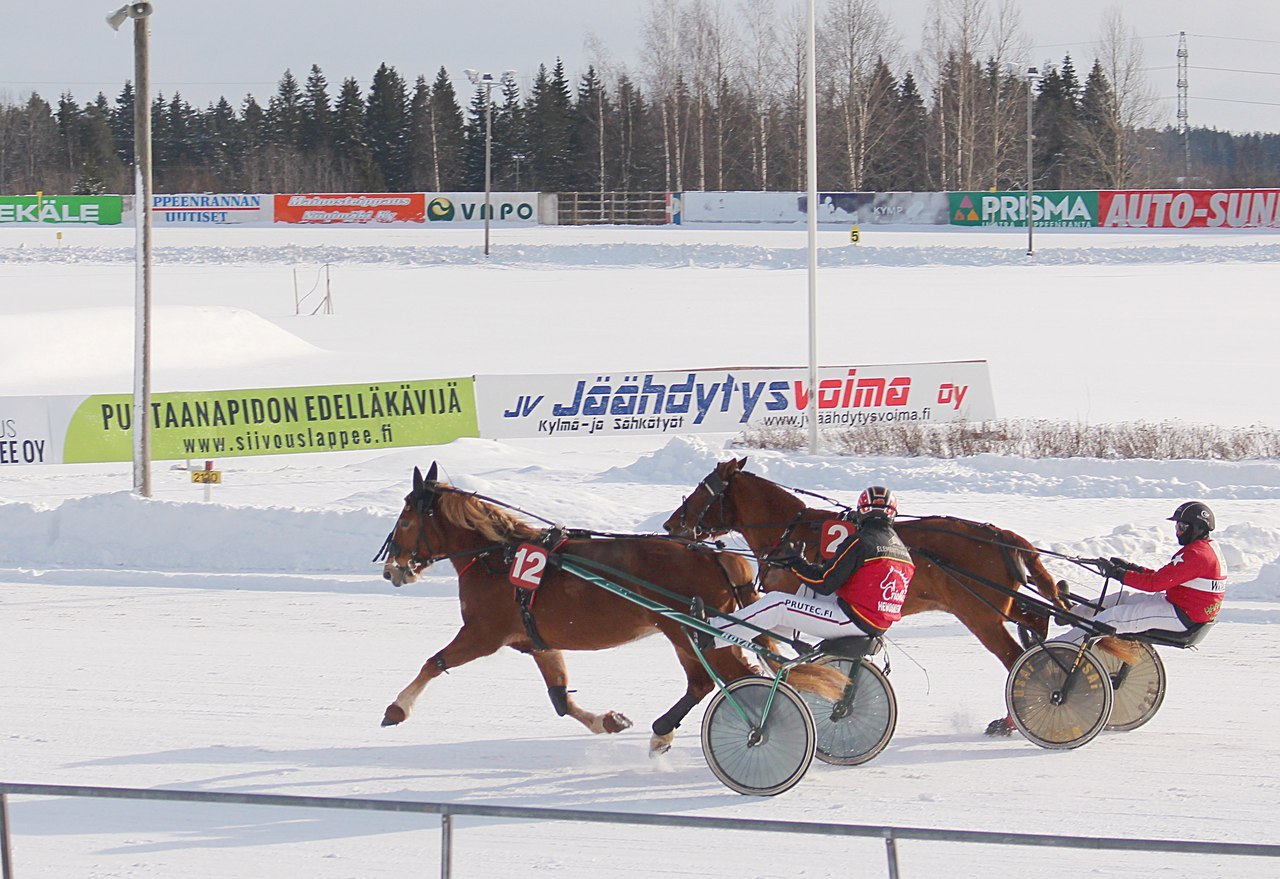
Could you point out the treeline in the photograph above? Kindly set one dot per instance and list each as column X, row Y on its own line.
column 718, row 107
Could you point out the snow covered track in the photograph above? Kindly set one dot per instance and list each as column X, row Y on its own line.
column 249, row 644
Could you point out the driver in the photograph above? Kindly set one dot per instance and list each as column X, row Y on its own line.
column 1185, row 592
column 859, row 591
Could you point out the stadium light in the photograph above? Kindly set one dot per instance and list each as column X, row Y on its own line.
column 811, row 162
column 487, row 81
column 1032, row 76
column 139, row 12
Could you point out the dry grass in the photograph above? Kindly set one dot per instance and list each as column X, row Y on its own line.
column 1035, row 439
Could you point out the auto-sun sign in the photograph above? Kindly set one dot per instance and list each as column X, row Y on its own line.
column 527, row 566
column 834, row 533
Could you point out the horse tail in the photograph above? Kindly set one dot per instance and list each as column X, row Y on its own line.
column 1028, row 557
column 824, row 681
column 1123, row 649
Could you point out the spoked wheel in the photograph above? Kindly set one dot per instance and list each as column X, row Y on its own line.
column 858, row 726
column 1139, row 687
column 754, row 752
column 1052, row 704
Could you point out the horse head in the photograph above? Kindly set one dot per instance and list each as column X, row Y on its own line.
column 706, row 512
column 407, row 549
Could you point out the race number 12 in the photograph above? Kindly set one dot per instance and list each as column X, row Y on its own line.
column 527, row 566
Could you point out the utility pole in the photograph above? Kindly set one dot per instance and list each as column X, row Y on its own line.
column 1184, row 123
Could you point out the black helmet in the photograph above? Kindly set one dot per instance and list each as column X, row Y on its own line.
column 1194, row 521
column 877, row 501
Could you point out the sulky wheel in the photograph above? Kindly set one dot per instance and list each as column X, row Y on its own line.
column 754, row 752
column 858, row 726
column 1053, row 701
column 1139, row 687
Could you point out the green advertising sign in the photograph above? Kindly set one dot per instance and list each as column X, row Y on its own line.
column 103, row 210
column 275, row 421
column 1050, row 208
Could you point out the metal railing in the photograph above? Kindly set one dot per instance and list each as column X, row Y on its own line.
column 448, row 811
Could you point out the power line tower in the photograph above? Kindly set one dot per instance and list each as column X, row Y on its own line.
column 1184, row 125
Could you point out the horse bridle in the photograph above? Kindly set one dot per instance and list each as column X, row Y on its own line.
column 422, row 502
column 717, row 488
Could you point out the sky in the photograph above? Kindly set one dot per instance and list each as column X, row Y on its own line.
column 235, row 47
column 246, row 643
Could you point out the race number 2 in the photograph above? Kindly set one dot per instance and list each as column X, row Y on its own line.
column 834, row 533
column 527, row 566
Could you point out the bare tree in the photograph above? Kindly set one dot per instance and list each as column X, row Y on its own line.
column 713, row 50
column 955, row 34
column 760, row 70
column 1115, row 144
column 661, row 59
column 856, row 37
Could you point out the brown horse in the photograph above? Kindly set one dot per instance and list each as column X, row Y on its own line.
column 565, row 612
column 952, row 556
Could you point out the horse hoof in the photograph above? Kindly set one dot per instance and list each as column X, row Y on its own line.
column 393, row 715
column 1001, row 726
column 616, row 723
column 659, row 745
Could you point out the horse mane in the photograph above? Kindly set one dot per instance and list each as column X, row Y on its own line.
column 492, row 523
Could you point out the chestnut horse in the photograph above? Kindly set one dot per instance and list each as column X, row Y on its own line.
column 952, row 556
column 565, row 612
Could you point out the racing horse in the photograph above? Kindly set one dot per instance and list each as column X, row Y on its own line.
column 953, row 557
column 565, row 612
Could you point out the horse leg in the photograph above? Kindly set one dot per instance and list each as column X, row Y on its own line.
column 551, row 664
column 728, row 663
column 465, row 646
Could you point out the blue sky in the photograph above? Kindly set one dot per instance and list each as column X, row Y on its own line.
column 236, row 46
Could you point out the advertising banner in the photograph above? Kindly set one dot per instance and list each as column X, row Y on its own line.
column 350, row 208
column 273, row 421
column 25, row 434
column 1050, row 208
column 835, row 208
column 102, row 210
column 200, row 209
column 1190, row 208
column 730, row 400
column 911, row 209
column 461, row 208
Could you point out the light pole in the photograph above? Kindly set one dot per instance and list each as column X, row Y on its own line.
column 811, row 174
column 518, row 158
column 487, row 81
column 142, row 241
column 1032, row 75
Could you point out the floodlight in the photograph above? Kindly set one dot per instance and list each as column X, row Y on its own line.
column 118, row 17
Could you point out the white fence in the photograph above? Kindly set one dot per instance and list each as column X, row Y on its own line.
column 448, row 811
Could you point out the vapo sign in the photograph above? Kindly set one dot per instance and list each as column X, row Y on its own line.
column 715, row 401
column 469, row 207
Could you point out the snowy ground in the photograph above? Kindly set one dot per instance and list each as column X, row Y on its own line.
column 247, row 645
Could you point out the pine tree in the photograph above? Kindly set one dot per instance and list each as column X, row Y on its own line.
column 510, row 139
column 473, row 146
column 316, row 124
column 587, row 141
column 447, row 135
column 122, row 125
column 350, row 141
column 387, row 128
column 285, row 113
column 549, row 124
